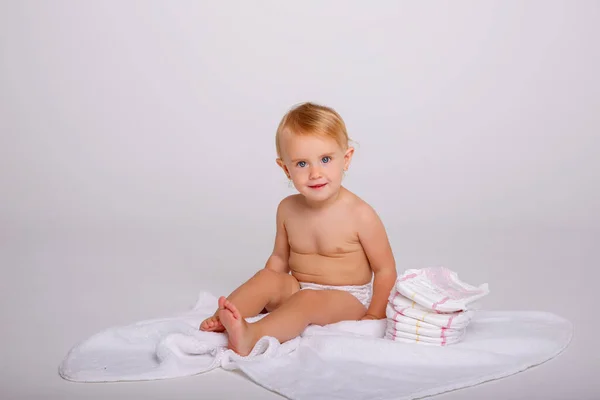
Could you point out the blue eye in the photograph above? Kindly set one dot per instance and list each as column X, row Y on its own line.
column 325, row 159
column 301, row 164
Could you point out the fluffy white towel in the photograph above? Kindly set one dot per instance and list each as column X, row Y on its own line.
column 401, row 306
column 348, row 360
column 439, row 288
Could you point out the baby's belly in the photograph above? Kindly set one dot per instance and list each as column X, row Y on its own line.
column 339, row 270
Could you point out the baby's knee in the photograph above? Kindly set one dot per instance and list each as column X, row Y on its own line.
column 266, row 273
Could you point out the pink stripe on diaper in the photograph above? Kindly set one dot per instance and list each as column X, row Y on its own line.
column 394, row 334
column 394, row 325
column 450, row 321
column 437, row 303
column 404, row 278
column 443, row 336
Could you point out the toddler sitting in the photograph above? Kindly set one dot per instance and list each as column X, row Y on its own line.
column 331, row 261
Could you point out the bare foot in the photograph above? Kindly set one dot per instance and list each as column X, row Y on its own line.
column 241, row 338
column 212, row 324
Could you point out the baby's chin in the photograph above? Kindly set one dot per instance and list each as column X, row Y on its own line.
column 320, row 193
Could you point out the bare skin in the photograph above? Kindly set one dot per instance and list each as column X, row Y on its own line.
column 325, row 235
column 320, row 307
column 267, row 289
column 322, row 246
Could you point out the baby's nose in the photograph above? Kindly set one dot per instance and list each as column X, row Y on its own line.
column 315, row 172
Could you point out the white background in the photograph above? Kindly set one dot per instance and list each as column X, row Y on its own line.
column 137, row 161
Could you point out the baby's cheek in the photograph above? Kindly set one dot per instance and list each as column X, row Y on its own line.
column 300, row 175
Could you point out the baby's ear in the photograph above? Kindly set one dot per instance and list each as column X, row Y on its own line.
column 348, row 157
column 283, row 167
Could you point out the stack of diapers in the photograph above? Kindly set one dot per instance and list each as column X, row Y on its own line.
column 431, row 306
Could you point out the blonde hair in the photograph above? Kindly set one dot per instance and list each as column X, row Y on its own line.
column 312, row 119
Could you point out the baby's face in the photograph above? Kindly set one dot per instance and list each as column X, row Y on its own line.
column 314, row 164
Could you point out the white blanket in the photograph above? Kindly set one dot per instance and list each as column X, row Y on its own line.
column 348, row 360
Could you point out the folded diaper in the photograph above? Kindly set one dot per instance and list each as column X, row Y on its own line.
column 399, row 336
column 417, row 329
column 430, row 306
column 393, row 315
column 400, row 305
column 439, row 289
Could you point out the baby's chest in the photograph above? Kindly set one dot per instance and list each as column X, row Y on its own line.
column 323, row 237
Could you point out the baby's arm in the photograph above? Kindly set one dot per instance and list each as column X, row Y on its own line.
column 374, row 240
column 278, row 261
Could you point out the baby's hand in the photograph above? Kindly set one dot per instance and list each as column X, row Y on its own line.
column 368, row 317
column 212, row 324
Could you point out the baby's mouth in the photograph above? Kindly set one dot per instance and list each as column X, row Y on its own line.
column 317, row 186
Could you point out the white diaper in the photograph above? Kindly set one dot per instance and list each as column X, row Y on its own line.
column 363, row 292
column 439, row 289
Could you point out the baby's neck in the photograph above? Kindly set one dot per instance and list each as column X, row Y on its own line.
column 320, row 205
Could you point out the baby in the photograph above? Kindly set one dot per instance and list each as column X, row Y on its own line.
column 332, row 260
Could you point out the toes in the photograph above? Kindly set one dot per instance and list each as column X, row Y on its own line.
column 211, row 324
column 225, row 304
column 222, row 301
column 233, row 309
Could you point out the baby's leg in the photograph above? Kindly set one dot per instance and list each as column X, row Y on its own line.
column 320, row 307
column 266, row 289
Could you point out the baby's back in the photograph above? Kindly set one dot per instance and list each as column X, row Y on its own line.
column 324, row 244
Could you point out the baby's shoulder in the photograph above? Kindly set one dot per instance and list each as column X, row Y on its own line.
column 288, row 204
column 359, row 208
